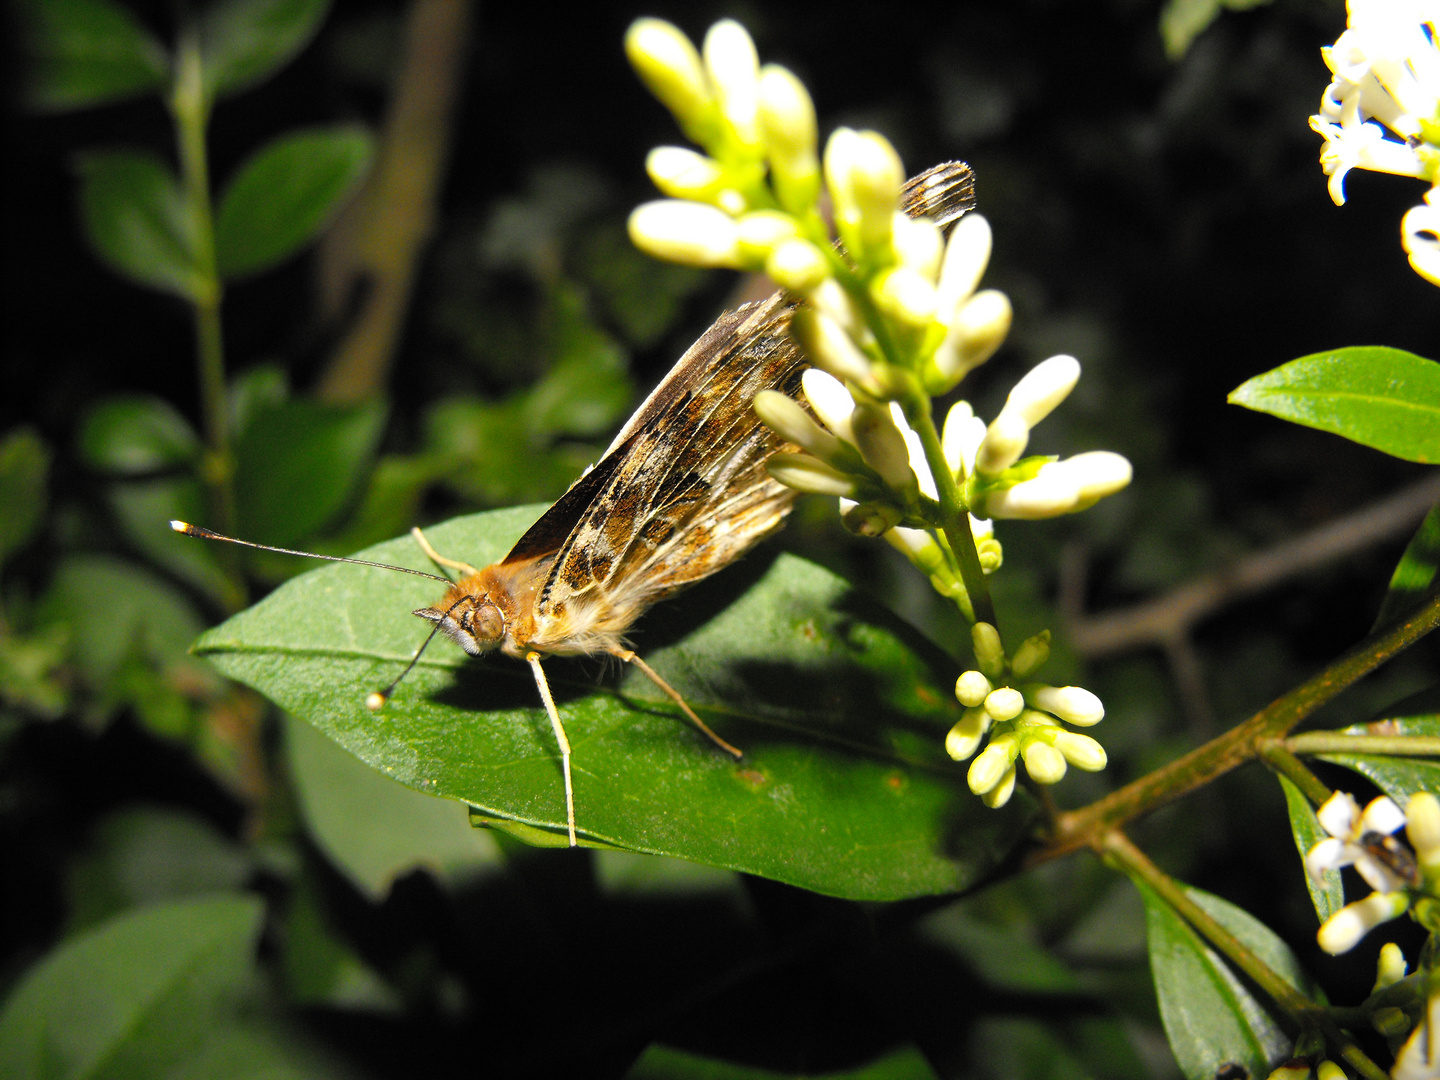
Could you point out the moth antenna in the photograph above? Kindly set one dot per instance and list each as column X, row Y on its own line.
column 376, row 699
column 205, row 534
column 533, row 659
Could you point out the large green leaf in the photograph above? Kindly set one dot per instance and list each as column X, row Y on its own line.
column 88, row 52
column 1413, row 574
column 135, row 219
column 1328, row 895
column 136, row 433
column 1398, row 777
column 1212, row 1017
column 285, row 194
column 1384, row 398
column 841, row 709
column 244, row 41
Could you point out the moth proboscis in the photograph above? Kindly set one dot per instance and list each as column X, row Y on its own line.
column 681, row 493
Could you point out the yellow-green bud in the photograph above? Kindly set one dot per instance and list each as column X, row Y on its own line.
column 784, row 415
column 1033, row 652
column 805, row 473
column 797, row 265
column 876, row 177
column 828, row 346
column 839, row 165
column 989, row 768
column 871, row 518
column 965, row 257
column 686, row 232
column 991, row 555
column 972, row 688
column 918, row 244
column 734, row 71
column 976, row 332
column 1422, row 814
column 904, row 295
column 1073, row 704
column 762, row 231
column 965, row 736
column 1081, row 751
column 1043, row 762
column 883, row 448
column 1000, row 794
column 1390, row 1021
column 830, row 400
column 1004, row 703
column 668, row 64
column 1328, row 1070
column 1389, row 968
column 788, row 131
column 989, row 653
column 1005, row 440
column 682, row 173
column 1042, row 388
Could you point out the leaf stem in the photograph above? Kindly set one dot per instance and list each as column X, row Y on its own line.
column 191, row 109
column 1282, row 760
column 1333, row 742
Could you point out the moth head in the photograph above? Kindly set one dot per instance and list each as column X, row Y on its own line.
column 472, row 622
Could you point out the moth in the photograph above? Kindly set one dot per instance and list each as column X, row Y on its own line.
column 681, row 493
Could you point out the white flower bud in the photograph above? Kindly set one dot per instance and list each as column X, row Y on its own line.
column 1043, row 762
column 1073, row 704
column 839, row 166
column 870, row 519
column 964, row 737
column 1339, row 813
column 1095, row 474
column 989, row 653
column 918, row 244
column 1004, row 703
column 828, row 346
column 905, row 296
column 1389, row 968
column 883, row 447
column 961, row 438
column 1042, row 388
column 1343, row 930
column 668, row 64
column 1046, row 495
column 977, row 330
column 734, row 71
column 876, row 178
column 1005, row 440
column 1422, row 814
column 966, row 255
column 918, row 546
column 805, row 473
column 1000, row 794
column 762, row 231
column 686, row 232
column 787, row 129
column 830, row 400
column 682, row 173
column 831, row 299
column 1081, row 750
column 1382, row 815
column 797, row 265
column 989, row 768
column 785, row 416
column 1033, row 652
column 971, row 689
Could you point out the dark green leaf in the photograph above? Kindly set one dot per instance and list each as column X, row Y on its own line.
column 642, row 296
column 1328, row 896
column 587, row 390
column 495, row 455
column 285, row 194
column 1004, row 957
column 136, row 996
column 373, row 828
column 298, row 463
column 841, row 709
column 144, row 508
column 1413, row 574
column 24, row 466
column 245, row 41
column 1383, row 398
column 135, row 219
column 1211, row 1016
column 136, row 433
column 666, row 1063
column 1182, row 21
column 88, row 52
column 1398, row 777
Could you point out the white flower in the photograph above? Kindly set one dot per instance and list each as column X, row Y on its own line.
column 1420, row 233
column 1342, row 818
column 1419, row 1058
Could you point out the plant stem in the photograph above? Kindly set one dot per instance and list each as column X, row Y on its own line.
column 1333, row 742
column 1079, row 828
column 191, row 110
column 1279, row 757
column 954, row 515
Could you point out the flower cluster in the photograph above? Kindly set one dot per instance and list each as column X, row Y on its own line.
column 1024, row 719
column 890, row 314
column 1402, row 877
column 1381, row 110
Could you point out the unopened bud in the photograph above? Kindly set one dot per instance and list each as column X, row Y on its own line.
column 1004, row 703
column 805, row 473
column 1073, row 704
column 1390, row 1022
column 918, row 244
column 734, row 71
column 1033, row 652
column 681, row 173
column 904, row 295
column 830, row 400
column 1095, row 474
column 1043, row 762
column 1389, row 968
column 1328, row 1070
column 976, row 332
column 1000, row 794
column 686, row 232
column 883, row 448
column 762, row 231
column 1046, row 495
column 785, row 416
column 965, row 257
column 876, row 178
column 1343, row 930
column 1005, row 440
column 965, row 736
column 971, row 688
column 797, row 265
column 871, row 518
column 828, row 346
column 668, row 64
column 839, row 166
column 1042, row 388
column 1081, row 750
column 1422, row 815
column 989, row 653
column 991, row 555
column 989, row 768
column 787, row 129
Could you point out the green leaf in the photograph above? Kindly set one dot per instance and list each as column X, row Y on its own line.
column 144, row 508
column 1329, row 895
column 298, row 463
column 1414, row 573
column 136, row 996
column 1003, row 957
column 666, row 1063
column 1387, row 399
column 1182, row 21
column 373, row 828
column 841, row 709
column 136, row 433
column 88, row 52
column 24, row 467
column 1398, row 777
column 1211, row 1015
column 135, row 219
column 285, row 194
column 243, row 42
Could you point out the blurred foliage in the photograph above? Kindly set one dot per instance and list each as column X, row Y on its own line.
column 1164, row 220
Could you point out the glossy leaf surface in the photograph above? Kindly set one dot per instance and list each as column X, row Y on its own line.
column 286, row 194
column 1398, row 777
column 840, row 708
column 1387, row 399
column 1329, row 895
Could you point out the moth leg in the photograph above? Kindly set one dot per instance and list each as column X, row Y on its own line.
column 534, row 661
column 438, row 559
column 674, row 695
